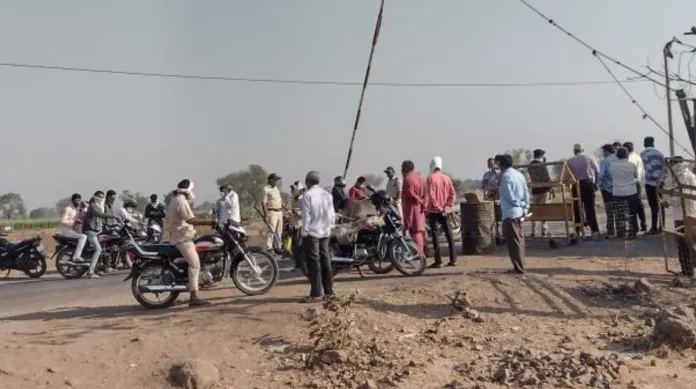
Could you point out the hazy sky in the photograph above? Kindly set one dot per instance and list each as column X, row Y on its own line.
column 66, row 132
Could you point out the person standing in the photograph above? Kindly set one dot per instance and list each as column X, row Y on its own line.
column 606, row 187
column 684, row 174
column 338, row 192
column 538, row 172
column 70, row 221
column 394, row 188
column 93, row 225
column 439, row 201
column 273, row 210
column 179, row 224
column 227, row 206
column 154, row 211
column 635, row 159
column 318, row 217
column 357, row 192
column 624, row 175
column 490, row 181
column 413, row 203
column 585, row 170
column 653, row 162
column 112, row 221
column 514, row 206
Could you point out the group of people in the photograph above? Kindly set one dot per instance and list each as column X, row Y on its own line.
column 85, row 220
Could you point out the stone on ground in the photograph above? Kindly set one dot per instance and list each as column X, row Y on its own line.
column 194, row 374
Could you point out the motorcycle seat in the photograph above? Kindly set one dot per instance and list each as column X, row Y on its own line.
column 163, row 250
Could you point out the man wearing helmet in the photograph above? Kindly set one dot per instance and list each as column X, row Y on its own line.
column 179, row 224
column 126, row 212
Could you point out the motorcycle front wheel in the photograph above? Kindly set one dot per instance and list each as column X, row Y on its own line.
column 66, row 270
column 406, row 257
column 153, row 274
column 246, row 279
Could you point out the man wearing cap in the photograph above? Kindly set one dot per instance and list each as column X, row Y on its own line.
column 273, row 209
column 539, row 174
column 394, row 188
column 586, row 171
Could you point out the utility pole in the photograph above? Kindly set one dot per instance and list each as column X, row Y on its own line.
column 667, row 53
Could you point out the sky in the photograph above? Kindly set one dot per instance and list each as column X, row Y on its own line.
column 66, row 132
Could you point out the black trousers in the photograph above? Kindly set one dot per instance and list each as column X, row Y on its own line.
column 587, row 197
column 626, row 215
column 640, row 211
column 433, row 220
column 654, row 202
column 316, row 251
column 609, row 208
column 684, row 252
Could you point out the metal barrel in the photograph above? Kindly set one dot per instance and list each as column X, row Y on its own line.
column 478, row 227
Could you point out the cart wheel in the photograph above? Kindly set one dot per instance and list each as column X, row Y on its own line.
column 553, row 244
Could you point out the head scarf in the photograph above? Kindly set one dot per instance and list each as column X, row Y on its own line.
column 436, row 163
column 187, row 191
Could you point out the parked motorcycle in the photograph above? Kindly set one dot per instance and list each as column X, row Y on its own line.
column 382, row 248
column 161, row 269
column 113, row 253
column 28, row 256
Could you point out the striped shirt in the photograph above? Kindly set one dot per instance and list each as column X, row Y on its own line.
column 583, row 167
column 653, row 161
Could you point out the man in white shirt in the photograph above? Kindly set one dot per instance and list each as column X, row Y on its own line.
column 394, row 188
column 273, row 210
column 318, row 217
column 635, row 159
column 227, row 206
column 624, row 175
column 71, row 219
column 126, row 211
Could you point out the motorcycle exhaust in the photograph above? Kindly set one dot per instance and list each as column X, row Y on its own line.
column 342, row 259
column 77, row 264
column 162, row 288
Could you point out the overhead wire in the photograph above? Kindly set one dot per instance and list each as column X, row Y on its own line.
column 646, row 115
column 305, row 82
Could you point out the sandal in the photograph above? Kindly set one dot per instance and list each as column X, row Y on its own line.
column 310, row 300
column 198, row 303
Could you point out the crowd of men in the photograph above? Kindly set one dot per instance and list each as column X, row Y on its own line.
column 621, row 177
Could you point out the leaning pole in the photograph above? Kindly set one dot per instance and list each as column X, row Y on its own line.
column 375, row 36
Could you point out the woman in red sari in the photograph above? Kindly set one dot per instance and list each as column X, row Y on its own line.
column 412, row 202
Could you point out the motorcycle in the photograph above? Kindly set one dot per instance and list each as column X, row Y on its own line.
column 381, row 248
column 161, row 269
column 113, row 254
column 28, row 256
column 154, row 232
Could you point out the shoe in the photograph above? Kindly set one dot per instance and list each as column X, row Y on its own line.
column 452, row 264
column 92, row 275
column 310, row 300
column 198, row 303
column 596, row 236
column 435, row 266
column 652, row 231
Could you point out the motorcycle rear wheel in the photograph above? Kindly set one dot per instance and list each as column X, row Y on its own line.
column 40, row 269
column 68, row 272
column 396, row 252
column 149, row 304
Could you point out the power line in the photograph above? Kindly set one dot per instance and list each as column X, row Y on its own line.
column 309, row 82
column 646, row 115
column 594, row 51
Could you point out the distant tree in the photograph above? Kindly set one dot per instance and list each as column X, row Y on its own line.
column 520, row 156
column 43, row 213
column 12, row 206
column 375, row 180
column 205, row 206
column 140, row 199
column 61, row 204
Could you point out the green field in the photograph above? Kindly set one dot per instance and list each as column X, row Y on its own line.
column 41, row 224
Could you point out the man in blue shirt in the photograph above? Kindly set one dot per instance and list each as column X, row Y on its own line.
column 606, row 187
column 514, row 205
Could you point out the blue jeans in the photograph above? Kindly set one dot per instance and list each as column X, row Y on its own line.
column 94, row 242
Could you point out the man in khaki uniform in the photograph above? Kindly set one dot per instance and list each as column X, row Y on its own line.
column 273, row 209
column 179, row 222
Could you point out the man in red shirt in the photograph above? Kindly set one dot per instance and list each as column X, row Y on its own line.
column 412, row 202
column 357, row 192
column 439, row 200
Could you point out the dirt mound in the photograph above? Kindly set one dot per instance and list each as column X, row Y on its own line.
column 676, row 327
column 194, row 374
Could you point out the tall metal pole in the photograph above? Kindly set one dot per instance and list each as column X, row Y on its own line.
column 378, row 25
column 667, row 53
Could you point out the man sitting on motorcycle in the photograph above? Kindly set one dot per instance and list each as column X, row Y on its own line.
column 179, row 224
column 126, row 212
column 70, row 221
